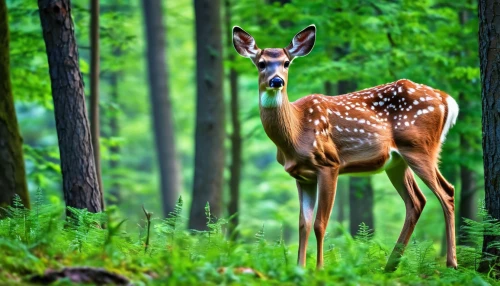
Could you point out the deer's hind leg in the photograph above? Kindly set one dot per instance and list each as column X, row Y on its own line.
column 402, row 179
column 425, row 167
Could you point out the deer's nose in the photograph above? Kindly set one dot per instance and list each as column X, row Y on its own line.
column 276, row 82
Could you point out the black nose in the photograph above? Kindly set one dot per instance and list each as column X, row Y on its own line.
column 276, row 82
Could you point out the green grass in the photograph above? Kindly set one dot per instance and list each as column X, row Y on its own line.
column 32, row 241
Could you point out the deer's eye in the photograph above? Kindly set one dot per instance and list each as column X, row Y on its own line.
column 262, row 65
column 287, row 64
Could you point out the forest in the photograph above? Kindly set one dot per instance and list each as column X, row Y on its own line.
column 136, row 147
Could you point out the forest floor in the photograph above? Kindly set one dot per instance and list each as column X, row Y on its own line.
column 38, row 246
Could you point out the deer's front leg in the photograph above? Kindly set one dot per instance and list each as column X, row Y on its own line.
column 327, row 184
column 307, row 197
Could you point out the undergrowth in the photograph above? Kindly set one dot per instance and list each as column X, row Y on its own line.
column 32, row 241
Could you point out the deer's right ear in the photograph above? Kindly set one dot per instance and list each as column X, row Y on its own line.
column 244, row 43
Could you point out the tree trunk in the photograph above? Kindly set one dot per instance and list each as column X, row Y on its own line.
column 468, row 200
column 209, row 151
column 360, row 203
column 160, row 103
column 80, row 183
column 489, row 37
column 360, row 188
column 95, row 125
column 236, row 160
column 12, row 173
column 114, row 150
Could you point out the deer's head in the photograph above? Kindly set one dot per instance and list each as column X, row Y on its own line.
column 273, row 63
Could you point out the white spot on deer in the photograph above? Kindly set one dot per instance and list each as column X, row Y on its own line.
column 399, row 123
column 361, row 131
column 310, row 120
column 361, row 121
column 419, row 112
column 348, row 118
column 315, row 101
column 428, row 98
column 400, row 89
column 395, row 93
column 375, row 103
column 415, row 102
column 323, row 118
column 355, row 129
column 347, row 130
column 381, row 103
column 379, row 95
column 431, row 108
column 311, row 110
column 319, row 108
column 329, row 111
column 412, row 122
column 316, row 122
column 425, row 111
column 338, row 128
column 314, row 144
column 407, row 124
column 441, row 106
column 363, row 103
column 373, row 108
column 347, row 107
column 404, row 117
column 316, row 132
column 422, row 99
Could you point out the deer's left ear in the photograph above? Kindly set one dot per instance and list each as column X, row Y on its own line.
column 302, row 43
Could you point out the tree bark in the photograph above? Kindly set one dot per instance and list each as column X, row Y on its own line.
column 12, row 172
column 236, row 160
column 468, row 200
column 95, row 125
column 209, row 151
column 360, row 203
column 489, row 56
column 114, row 150
column 160, row 103
column 80, row 183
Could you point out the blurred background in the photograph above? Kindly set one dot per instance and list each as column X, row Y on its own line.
column 359, row 44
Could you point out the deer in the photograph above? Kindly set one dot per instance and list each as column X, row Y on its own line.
column 397, row 127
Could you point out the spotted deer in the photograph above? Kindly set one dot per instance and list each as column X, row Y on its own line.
column 396, row 127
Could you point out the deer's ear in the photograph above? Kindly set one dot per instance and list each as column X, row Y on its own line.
column 303, row 42
column 244, row 43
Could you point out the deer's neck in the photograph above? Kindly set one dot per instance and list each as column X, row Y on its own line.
column 279, row 118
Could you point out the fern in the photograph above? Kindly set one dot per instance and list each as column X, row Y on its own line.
column 364, row 233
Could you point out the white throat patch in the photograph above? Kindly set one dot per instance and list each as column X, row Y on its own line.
column 271, row 98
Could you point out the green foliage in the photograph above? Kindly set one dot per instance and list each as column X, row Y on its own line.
column 35, row 240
